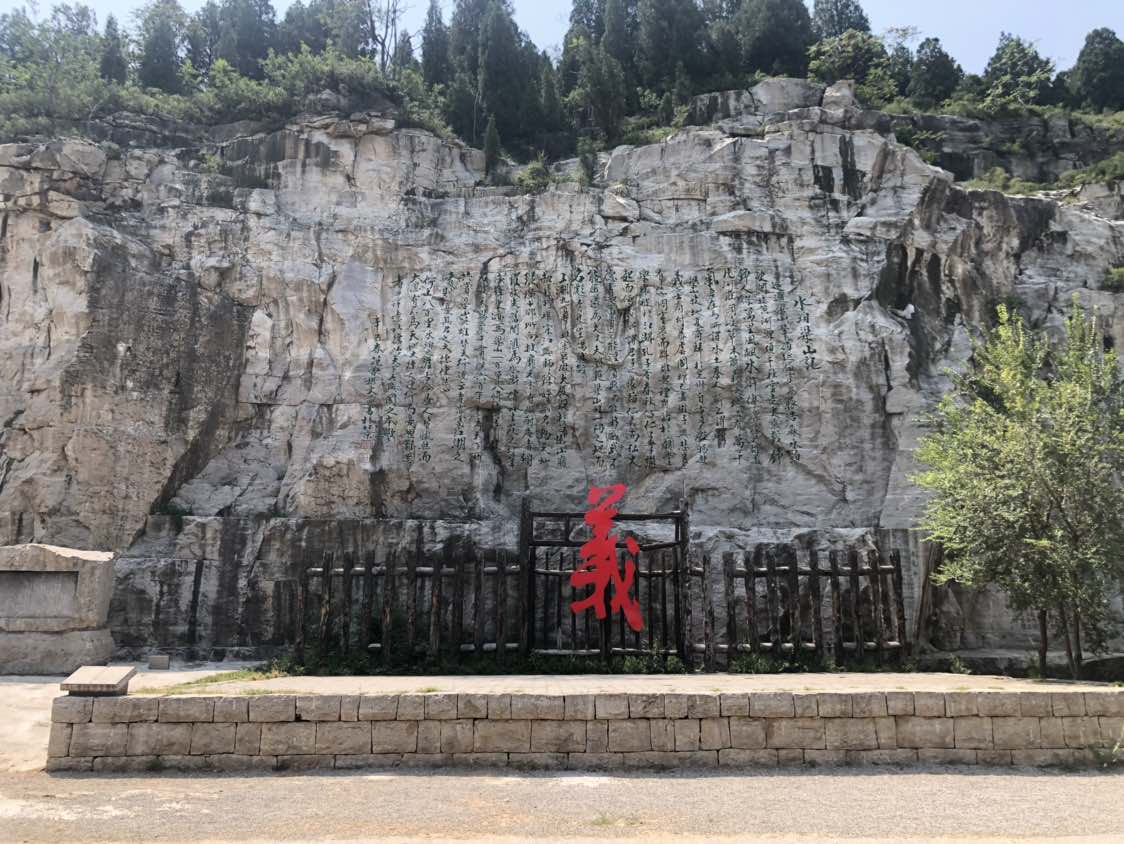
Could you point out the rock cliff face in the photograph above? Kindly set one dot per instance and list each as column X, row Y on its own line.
column 186, row 355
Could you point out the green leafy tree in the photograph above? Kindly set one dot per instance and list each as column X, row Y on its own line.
column 202, row 36
column 162, row 30
column 666, row 110
column 113, row 66
column 603, row 86
column 1025, row 459
column 668, row 32
column 404, row 53
column 252, row 25
column 852, row 55
column 551, row 103
column 435, row 47
column 1016, row 75
column 491, row 147
column 775, row 36
column 1098, row 76
column 502, row 79
column 935, row 74
column 302, row 24
column 831, row 18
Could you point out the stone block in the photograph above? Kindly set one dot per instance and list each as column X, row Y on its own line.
column 208, row 739
column 128, row 764
column 1045, row 758
column 676, row 705
column 58, row 743
column 349, row 707
column 805, row 705
column 394, row 736
column 998, row 704
column 237, row 762
column 825, row 758
column 481, row 760
column 737, row 757
column 545, row 707
column 429, row 737
column 579, row 708
column 687, row 734
column 868, row 705
column 186, row 709
column 1052, row 732
column 1035, row 705
column 343, row 737
column 457, row 736
column 1104, row 703
column 69, row 763
column 182, row 763
column 899, row 703
column 645, row 706
column 702, row 706
column 919, row 731
column 993, row 757
column 747, row 733
column 1015, row 733
column 663, row 734
column 1068, row 703
column 355, row 761
column 472, row 706
column 72, row 710
column 273, row 708
column 736, row 705
column 124, row 710
column 653, row 760
column 558, row 736
column 441, row 707
column 630, row 736
column 1081, row 731
column 157, row 739
column 378, row 707
column 850, row 734
column 247, row 740
column 771, row 705
column 595, row 761
column 288, row 739
column 611, row 707
column 928, row 704
column 502, row 737
column 882, row 757
column 790, row 758
column 714, row 733
column 973, row 733
column 887, row 731
column 318, row 708
column 411, row 707
column 159, row 662
column 961, row 704
column 499, row 707
column 946, row 756
column 537, row 761
column 597, row 737
column 1112, row 731
column 834, row 705
column 232, row 710
column 305, row 762
column 790, row 733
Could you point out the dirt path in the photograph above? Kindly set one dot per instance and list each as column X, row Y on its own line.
column 855, row 804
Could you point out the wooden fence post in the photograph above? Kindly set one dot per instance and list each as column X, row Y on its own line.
column 708, row 616
column 817, row 605
column 899, row 601
column 388, row 598
column 683, row 585
column 731, row 614
column 856, row 616
column 836, row 609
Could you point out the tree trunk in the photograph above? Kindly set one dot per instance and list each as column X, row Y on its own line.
column 1043, row 641
column 1064, row 621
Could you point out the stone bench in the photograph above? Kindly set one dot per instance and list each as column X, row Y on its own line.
column 584, row 731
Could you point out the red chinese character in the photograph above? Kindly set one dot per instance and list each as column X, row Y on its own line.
column 599, row 565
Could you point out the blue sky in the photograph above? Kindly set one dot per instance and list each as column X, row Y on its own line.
column 969, row 29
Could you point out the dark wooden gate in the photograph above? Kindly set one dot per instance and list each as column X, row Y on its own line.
column 549, row 553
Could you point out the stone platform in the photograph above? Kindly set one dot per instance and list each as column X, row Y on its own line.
column 592, row 723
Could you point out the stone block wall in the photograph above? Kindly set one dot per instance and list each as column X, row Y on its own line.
column 590, row 732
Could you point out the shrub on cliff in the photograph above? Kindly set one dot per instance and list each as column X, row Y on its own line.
column 1025, row 457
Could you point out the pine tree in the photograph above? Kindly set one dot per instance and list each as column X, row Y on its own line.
column 1098, row 76
column 775, row 36
column 113, row 66
column 603, row 83
column 162, row 28
column 548, row 96
column 435, row 47
column 502, row 79
column 491, row 146
column 1016, row 74
column 617, row 40
column 935, row 74
column 203, row 36
column 668, row 32
column 667, row 109
column 404, row 53
column 832, row 18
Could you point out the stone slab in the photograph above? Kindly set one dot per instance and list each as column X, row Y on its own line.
column 99, row 680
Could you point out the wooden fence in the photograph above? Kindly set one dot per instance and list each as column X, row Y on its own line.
column 776, row 599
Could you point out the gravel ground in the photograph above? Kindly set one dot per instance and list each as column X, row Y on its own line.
column 856, row 804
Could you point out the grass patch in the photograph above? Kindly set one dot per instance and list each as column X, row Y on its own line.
column 200, row 686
